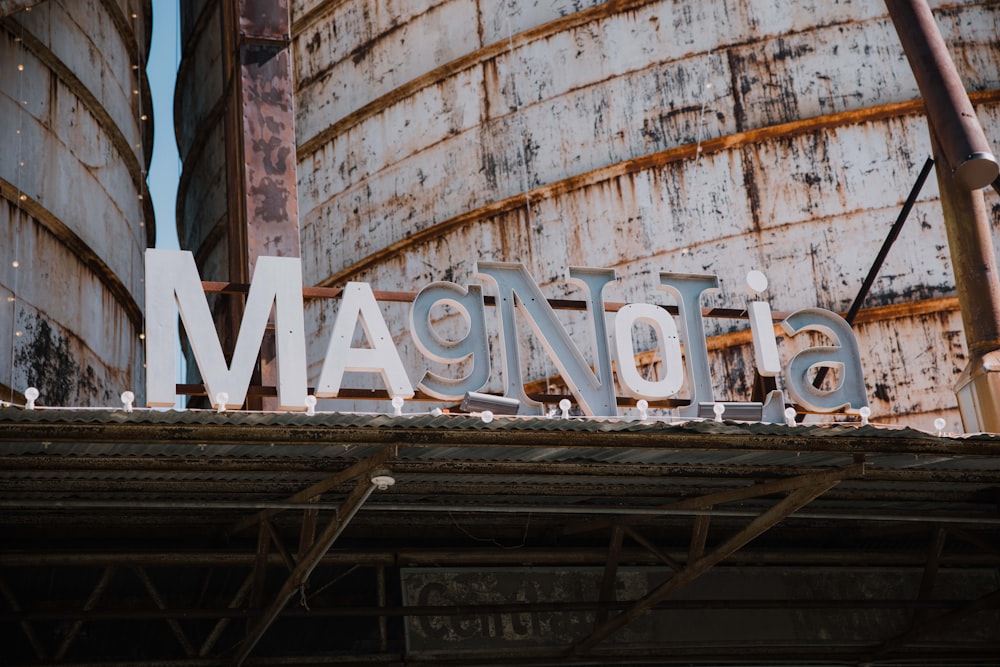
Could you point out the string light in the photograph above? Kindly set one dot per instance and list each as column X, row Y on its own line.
column 21, row 197
column 143, row 117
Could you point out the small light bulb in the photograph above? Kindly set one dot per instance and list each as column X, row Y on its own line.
column 15, row 263
column 143, row 117
column 20, row 68
column 142, row 336
column 23, row 197
column 18, row 333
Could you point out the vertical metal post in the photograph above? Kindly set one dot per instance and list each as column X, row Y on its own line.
column 383, row 621
column 978, row 285
column 959, row 143
column 260, row 147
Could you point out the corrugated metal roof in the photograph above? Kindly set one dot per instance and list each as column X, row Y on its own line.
column 198, row 433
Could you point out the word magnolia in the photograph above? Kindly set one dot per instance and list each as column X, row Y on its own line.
column 173, row 286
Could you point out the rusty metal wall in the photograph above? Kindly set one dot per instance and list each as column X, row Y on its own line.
column 644, row 135
column 75, row 215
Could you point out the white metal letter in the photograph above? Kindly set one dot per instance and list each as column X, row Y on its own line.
column 687, row 289
column 670, row 351
column 843, row 355
column 595, row 393
column 765, row 345
column 358, row 303
column 172, row 285
column 474, row 345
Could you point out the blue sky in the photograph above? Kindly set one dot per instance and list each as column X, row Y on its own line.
column 164, row 169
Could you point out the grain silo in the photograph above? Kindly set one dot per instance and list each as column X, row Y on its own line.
column 77, row 134
column 643, row 135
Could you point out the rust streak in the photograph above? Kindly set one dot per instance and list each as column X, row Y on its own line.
column 640, row 164
column 460, row 64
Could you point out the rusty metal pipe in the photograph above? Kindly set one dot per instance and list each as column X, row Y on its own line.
column 949, row 109
column 976, row 279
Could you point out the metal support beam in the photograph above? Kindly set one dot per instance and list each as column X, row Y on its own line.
column 939, row 623
column 260, row 566
column 222, row 623
column 977, row 282
column 286, row 557
column 157, row 599
column 362, row 467
column 383, row 625
column 699, row 535
column 307, row 534
column 668, row 560
column 729, row 495
column 334, row 528
column 930, row 570
column 794, row 501
column 960, row 143
column 260, row 148
column 890, row 239
column 26, row 628
column 607, row 593
column 976, row 541
column 92, row 599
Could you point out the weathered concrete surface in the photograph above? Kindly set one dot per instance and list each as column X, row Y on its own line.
column 74, row 215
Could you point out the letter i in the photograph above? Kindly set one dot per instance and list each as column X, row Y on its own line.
column 765, row 346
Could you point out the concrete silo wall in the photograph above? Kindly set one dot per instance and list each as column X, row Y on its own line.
column 643, row 135
column 75, row 216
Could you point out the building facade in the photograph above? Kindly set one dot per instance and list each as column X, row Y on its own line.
column 76, row 216
column 642, row 136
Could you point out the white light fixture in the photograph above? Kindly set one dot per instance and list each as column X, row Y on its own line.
column 31, row 395
column 383, row 479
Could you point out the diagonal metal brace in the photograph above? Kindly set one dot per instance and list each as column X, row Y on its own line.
column 307, row 564
column 792, row 503
column 731, row 495
column 362, row 467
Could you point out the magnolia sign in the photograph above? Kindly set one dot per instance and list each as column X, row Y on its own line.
column 173, row 286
